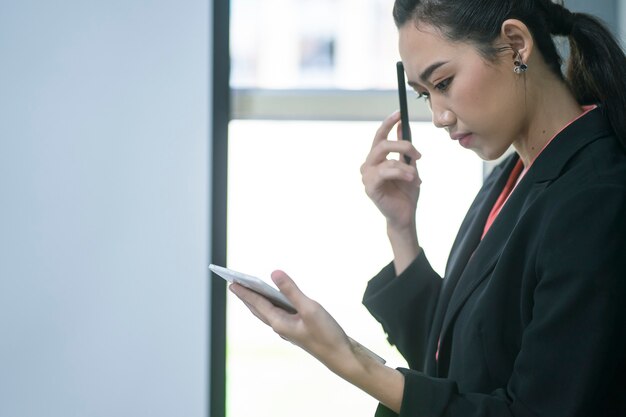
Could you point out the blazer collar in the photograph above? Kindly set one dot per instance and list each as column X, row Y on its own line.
column 588, row 128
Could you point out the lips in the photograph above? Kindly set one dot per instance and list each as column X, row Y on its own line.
column 464, row 139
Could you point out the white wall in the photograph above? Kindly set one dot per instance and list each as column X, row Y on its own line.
column 104, row 192
column 606, row 10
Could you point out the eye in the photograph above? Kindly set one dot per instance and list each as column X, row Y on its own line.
column 443, row 86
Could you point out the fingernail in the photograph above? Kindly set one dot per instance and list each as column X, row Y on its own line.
column 278, row 280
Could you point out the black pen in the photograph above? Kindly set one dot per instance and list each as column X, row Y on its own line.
column 404, row 113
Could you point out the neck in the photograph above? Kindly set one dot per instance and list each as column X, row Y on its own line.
column 548, row 112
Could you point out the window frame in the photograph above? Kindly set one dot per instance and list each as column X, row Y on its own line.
column 230, row 104
column 323, row 105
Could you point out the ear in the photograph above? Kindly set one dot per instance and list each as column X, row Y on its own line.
column 516, row 34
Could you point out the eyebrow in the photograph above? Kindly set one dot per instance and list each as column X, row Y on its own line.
column 425, row 75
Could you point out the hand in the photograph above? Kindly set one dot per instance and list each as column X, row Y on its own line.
column 315, row 331
column 392, row 185
column 311, row 328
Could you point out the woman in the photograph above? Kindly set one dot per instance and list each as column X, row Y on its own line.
column 530, row 319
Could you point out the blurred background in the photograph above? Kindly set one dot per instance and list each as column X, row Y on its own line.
column 140, row 141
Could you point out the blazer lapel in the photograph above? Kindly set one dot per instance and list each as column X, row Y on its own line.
column 472, row 227
column 463, row 248
column 489, row 249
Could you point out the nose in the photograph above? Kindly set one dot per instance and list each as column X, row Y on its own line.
column 442, row 117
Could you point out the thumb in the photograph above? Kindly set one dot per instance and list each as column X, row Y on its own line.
column 288, row 287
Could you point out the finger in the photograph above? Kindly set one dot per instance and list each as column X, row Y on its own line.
column 260, row 306
column 288, row 287
column 397, row 170
column 256, row 313
column 405, row 147
column 383, row 130
column 380, row 153
column 413, row 153
column 384, row 147
column 390, row 170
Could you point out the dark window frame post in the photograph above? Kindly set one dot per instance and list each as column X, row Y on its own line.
column 220, row 108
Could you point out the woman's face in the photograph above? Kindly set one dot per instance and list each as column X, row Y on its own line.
column 480, row 103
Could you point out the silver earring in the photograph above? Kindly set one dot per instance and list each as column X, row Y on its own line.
column 519, row 67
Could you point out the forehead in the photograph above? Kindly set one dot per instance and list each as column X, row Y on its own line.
column 421, row 46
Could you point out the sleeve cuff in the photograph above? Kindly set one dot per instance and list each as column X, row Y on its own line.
column 386, row 280
column 423, row 396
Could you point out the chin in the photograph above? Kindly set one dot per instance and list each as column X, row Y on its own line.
column 490, row 154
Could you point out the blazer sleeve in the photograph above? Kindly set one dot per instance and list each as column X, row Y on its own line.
column 404, row 305
column 571, row 360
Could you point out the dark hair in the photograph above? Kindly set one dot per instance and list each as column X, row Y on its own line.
column 596, row 69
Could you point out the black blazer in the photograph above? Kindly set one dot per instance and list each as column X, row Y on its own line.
column 530, row 320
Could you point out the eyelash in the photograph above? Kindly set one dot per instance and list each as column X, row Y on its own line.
column 419, row 95
column 442, row 87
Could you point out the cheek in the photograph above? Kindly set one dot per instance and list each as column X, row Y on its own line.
column 473, row 105
column 488, row 100
column 474, row 90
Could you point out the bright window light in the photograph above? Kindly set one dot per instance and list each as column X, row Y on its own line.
column 296, row 202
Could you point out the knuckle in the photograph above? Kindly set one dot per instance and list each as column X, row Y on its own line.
column 308, row 310
column 277, row 327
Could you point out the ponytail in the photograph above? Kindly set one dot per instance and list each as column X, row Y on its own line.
column 596, row 69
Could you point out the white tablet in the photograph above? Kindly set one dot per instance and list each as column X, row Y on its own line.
column 255, row 284
column 276, row 297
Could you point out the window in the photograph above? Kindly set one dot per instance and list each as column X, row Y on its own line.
column 312, row 80
column 288, row 44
